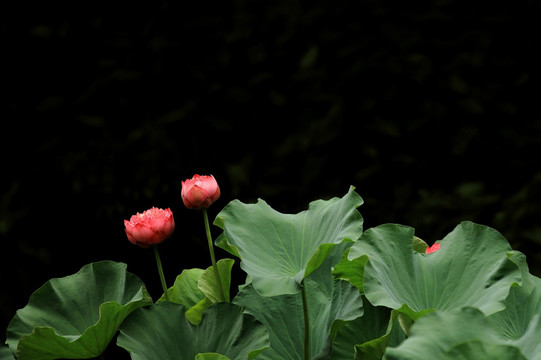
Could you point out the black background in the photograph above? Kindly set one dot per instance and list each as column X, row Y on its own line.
column 430, row 109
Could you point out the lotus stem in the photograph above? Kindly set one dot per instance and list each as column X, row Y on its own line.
column 306, row 323
column 212, row 256
column 160, row 271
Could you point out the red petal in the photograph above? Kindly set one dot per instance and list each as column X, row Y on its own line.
column 433, row 248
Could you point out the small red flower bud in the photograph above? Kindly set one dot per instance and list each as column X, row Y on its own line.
column 151, row 227
column 433, row 248
column 200, row 191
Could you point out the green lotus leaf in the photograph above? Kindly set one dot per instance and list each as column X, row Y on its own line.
column 372, row 325
column 472, row 268
column 210, row 356
column 521, row 305
column 283, row 317
column 162, row 331
column 331, row 304
column 195, row 313
column 529, row 343
column 367, row 336
column 5, row 353
column 185, row 291
column 351, row 270
column 208, row 285
column 419, row 245
column 464, row 334
column 481, row 350
column 279, row 250
column 76, row 316
column 196, row 289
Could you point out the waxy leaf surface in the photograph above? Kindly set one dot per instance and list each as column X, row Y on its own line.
column 185, row 291
column 197, row 289
column 211, row 356
column 472, row 268
column 331, row 303
column 76, row 317
column 162, row 331
column 522, row 304
column 208, row 284
column 464, row 334
column 5, row 353
column 279, row 250
column 367, row 336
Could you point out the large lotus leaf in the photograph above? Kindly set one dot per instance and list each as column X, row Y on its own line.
column 331, row 304
column 351, row 270
column 480, row 350
column 529, row 343
column 367, row 336
column 521, row 305
column 185, row 291
column 279, row 250
column 464, row 334
column 208, row 284
column 211, row 356
column 5, row 353
column 472, row 268
column 283, row 317
column 76, row 316
column 197, row 289
column 372, row 325
column 162, row 331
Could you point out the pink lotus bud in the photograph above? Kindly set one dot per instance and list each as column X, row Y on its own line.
column 433, row 248
column 151, row 227
column 200, row 191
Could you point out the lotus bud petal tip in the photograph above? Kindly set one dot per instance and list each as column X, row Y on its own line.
column 435, row 247
column 150, row 227
column 200, row 191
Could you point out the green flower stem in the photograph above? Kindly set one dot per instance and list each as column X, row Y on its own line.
column 160, row 270
column 212, row 257
column 306, row 323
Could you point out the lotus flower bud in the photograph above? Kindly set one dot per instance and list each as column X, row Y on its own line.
column 200, row 191
column 151, row 227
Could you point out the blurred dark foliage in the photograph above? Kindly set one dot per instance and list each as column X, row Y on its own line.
column 430, row 109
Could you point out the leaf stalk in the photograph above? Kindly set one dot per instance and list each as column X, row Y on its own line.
column 306, row 322
column 212, row 256
column 160, row 271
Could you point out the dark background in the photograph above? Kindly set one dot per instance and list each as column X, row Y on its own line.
column 430, row 109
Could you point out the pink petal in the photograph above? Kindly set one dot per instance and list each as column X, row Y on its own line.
column 433, row 248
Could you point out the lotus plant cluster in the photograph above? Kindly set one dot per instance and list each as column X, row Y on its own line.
column 318, row 286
